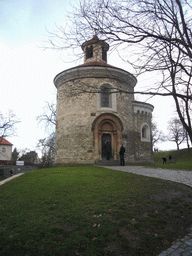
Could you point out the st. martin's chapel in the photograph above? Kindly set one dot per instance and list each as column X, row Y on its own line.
column 86, row 121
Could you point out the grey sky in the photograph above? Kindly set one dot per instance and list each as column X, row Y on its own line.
column 27, row 71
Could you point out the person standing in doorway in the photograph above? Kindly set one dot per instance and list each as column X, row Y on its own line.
column 108, row 150
column 121, row 153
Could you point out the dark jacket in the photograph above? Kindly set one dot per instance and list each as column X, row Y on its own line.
column 122, row 150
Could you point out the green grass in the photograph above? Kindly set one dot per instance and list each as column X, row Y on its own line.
column 89, row 210
column 2, row 177
column 183, row 159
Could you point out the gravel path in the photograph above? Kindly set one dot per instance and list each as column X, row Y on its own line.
column 179, row 176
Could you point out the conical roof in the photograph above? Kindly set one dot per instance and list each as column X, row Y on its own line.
column 95, row 40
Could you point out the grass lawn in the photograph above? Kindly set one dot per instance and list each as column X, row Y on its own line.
column 2, row 177
column 89, row 210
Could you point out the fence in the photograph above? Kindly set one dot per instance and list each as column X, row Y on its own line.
column 8, row 171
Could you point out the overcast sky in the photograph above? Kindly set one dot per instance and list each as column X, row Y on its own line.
column 27, row 70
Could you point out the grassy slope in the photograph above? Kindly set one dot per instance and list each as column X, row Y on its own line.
column 183, row 157
column 91, row 211
column 1, row 177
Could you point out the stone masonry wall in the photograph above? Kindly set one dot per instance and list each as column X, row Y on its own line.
column 97, row 54
column 75, row 116
column 124, row 108
column 143, row 149
column 74, row 137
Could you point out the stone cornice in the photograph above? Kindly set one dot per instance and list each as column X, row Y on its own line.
column 95, row 72
column 138, row 105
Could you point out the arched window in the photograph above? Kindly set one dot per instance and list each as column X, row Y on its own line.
column 145, row 133
column 105, row 97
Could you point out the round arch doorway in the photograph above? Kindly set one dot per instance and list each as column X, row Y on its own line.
column 107, row 127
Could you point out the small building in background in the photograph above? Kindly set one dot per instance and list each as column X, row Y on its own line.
column 5, row 151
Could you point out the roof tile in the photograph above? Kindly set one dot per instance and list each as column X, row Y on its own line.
column 96, row 63
column 3, row 141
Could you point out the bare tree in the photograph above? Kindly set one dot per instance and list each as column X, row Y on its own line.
column 156, row 134
column 155, row 34
column 49, row 115
column 7, row 124
column 29, row 157
column 187, row 139
column 47, row 145
column 15, row 155
column 177, row 132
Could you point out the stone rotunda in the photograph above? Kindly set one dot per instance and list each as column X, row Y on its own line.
column 85, row 122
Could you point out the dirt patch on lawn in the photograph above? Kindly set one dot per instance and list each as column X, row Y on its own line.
column 154, row 221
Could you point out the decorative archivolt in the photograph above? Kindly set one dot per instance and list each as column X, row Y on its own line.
column 112, row 119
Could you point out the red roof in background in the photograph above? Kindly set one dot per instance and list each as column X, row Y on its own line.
column 3, row 141
column 96, row 63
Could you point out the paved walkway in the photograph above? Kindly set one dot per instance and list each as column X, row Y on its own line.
column 10, row 178
column 182, row 247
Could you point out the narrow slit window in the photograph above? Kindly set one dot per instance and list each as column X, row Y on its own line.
column 89, row 52
column 104, row 54
column 105, row 97
column 144, row 135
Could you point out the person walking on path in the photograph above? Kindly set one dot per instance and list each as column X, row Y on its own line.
column 121, row 153
column 164, row 160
